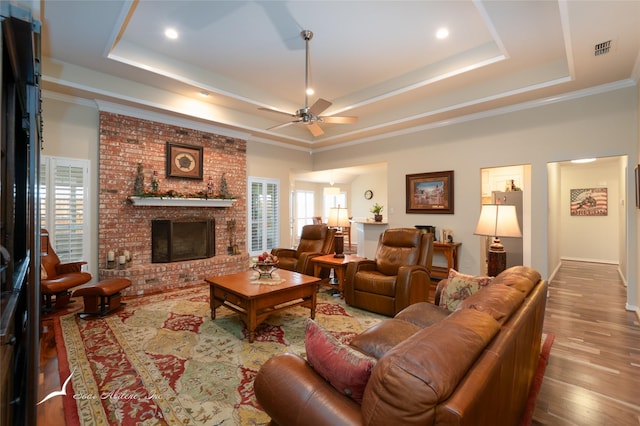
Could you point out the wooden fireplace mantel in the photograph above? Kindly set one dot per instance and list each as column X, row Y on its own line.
column 181, row 202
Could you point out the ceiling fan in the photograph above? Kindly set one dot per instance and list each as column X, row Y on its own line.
column 311, row 115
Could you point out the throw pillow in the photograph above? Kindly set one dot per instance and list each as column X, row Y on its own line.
column 459, row 287
column 347, row 369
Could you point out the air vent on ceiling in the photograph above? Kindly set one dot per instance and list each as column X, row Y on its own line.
column 602, row 48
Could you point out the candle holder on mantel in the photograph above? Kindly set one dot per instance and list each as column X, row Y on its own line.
column 232, row 248
column 122, row 262
column 111, row 260
column 127, row 258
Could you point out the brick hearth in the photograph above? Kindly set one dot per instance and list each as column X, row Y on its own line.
column 125, row 142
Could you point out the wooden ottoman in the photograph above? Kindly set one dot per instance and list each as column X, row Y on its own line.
column 103, row 297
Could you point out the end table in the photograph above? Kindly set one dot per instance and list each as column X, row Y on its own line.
column 339, row 265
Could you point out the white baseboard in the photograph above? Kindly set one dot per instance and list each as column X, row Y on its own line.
column 579, row 259
column 633, row 309
column 622, row 277
column 555, row 271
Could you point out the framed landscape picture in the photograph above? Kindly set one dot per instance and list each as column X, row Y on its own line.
column 184, row 161
column 430, row 192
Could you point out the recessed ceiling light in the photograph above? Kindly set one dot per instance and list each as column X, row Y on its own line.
column 204, row 93
column 583, row 160
column 171, row 33
column 442, row 33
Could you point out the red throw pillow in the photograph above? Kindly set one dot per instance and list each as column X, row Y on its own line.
column 347, row 369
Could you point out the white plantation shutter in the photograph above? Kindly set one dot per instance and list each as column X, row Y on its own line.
column 63, row 186
column 44, row 172
column 304, row 210
column 264, row 218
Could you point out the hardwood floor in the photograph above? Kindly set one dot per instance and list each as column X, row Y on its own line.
column 593, row 376
column 593, row 373
column 51, row 412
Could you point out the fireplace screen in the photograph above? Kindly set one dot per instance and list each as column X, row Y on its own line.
column 175, row 241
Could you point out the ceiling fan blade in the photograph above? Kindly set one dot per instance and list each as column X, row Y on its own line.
column 288, row 114
column 280, row 126
column 339, row 120
column 315, row 129
column 319, row 106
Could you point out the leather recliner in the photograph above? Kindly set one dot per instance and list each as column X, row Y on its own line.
column 315, row 240
column 398, row 276
column 56, row 278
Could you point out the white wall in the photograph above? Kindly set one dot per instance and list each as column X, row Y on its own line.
column 555, row 208
column 593, row 126
column 376, row 182
column 590, row 238
column 275, row 162
column 623, row 219
column 71, row 130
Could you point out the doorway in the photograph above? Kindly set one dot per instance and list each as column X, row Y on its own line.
column 509, row 185
column 598, row 236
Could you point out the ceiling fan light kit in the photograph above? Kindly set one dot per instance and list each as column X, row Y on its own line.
column 311, row 115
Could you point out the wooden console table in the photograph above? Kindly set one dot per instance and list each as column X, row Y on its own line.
column 450, row 252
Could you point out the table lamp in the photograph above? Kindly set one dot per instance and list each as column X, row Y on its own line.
column 497, row 220
column 338, row 218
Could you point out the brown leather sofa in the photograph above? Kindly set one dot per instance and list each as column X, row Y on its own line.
column 398, row 276
column 56, row 278
column 473, row 366
column 315, row 240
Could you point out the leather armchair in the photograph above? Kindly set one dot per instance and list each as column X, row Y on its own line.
column 315, row 240
column 399, row 276
column 56, row 278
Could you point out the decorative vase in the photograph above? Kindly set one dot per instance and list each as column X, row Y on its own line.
column 377, row 217
column 265, row 269
column 138, row 186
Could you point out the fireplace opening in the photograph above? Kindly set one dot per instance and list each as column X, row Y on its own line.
column 175, row 241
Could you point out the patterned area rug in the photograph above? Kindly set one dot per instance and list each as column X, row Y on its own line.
column 162, row 360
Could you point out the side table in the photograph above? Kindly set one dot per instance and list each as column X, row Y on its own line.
column 339, row 265
column 450, row 252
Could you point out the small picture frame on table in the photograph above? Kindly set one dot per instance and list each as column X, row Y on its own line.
column 184, row 161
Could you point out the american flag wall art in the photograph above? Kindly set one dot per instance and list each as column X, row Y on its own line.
column 589, row 202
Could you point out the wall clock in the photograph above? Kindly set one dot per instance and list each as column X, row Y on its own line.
column 184, row 161
column 368, row 194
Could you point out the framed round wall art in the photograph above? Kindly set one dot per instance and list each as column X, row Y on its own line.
column 184, row 161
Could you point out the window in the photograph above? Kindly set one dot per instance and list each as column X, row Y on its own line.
column 334, row 201
column 304, row 210
column 63, row 197
column 264, row 217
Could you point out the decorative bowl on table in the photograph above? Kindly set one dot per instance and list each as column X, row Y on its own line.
column 265, row 269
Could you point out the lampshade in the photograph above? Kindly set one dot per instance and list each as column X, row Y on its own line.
column 331, row 190
column 338, row 217
column 498, row 220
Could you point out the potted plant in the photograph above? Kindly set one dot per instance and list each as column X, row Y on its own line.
column 377, row 212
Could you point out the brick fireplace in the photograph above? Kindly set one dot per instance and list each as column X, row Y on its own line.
column 125, row 227
column 180, row 240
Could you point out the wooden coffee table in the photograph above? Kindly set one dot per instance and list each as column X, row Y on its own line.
column 339, row 265
column 254, row 302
